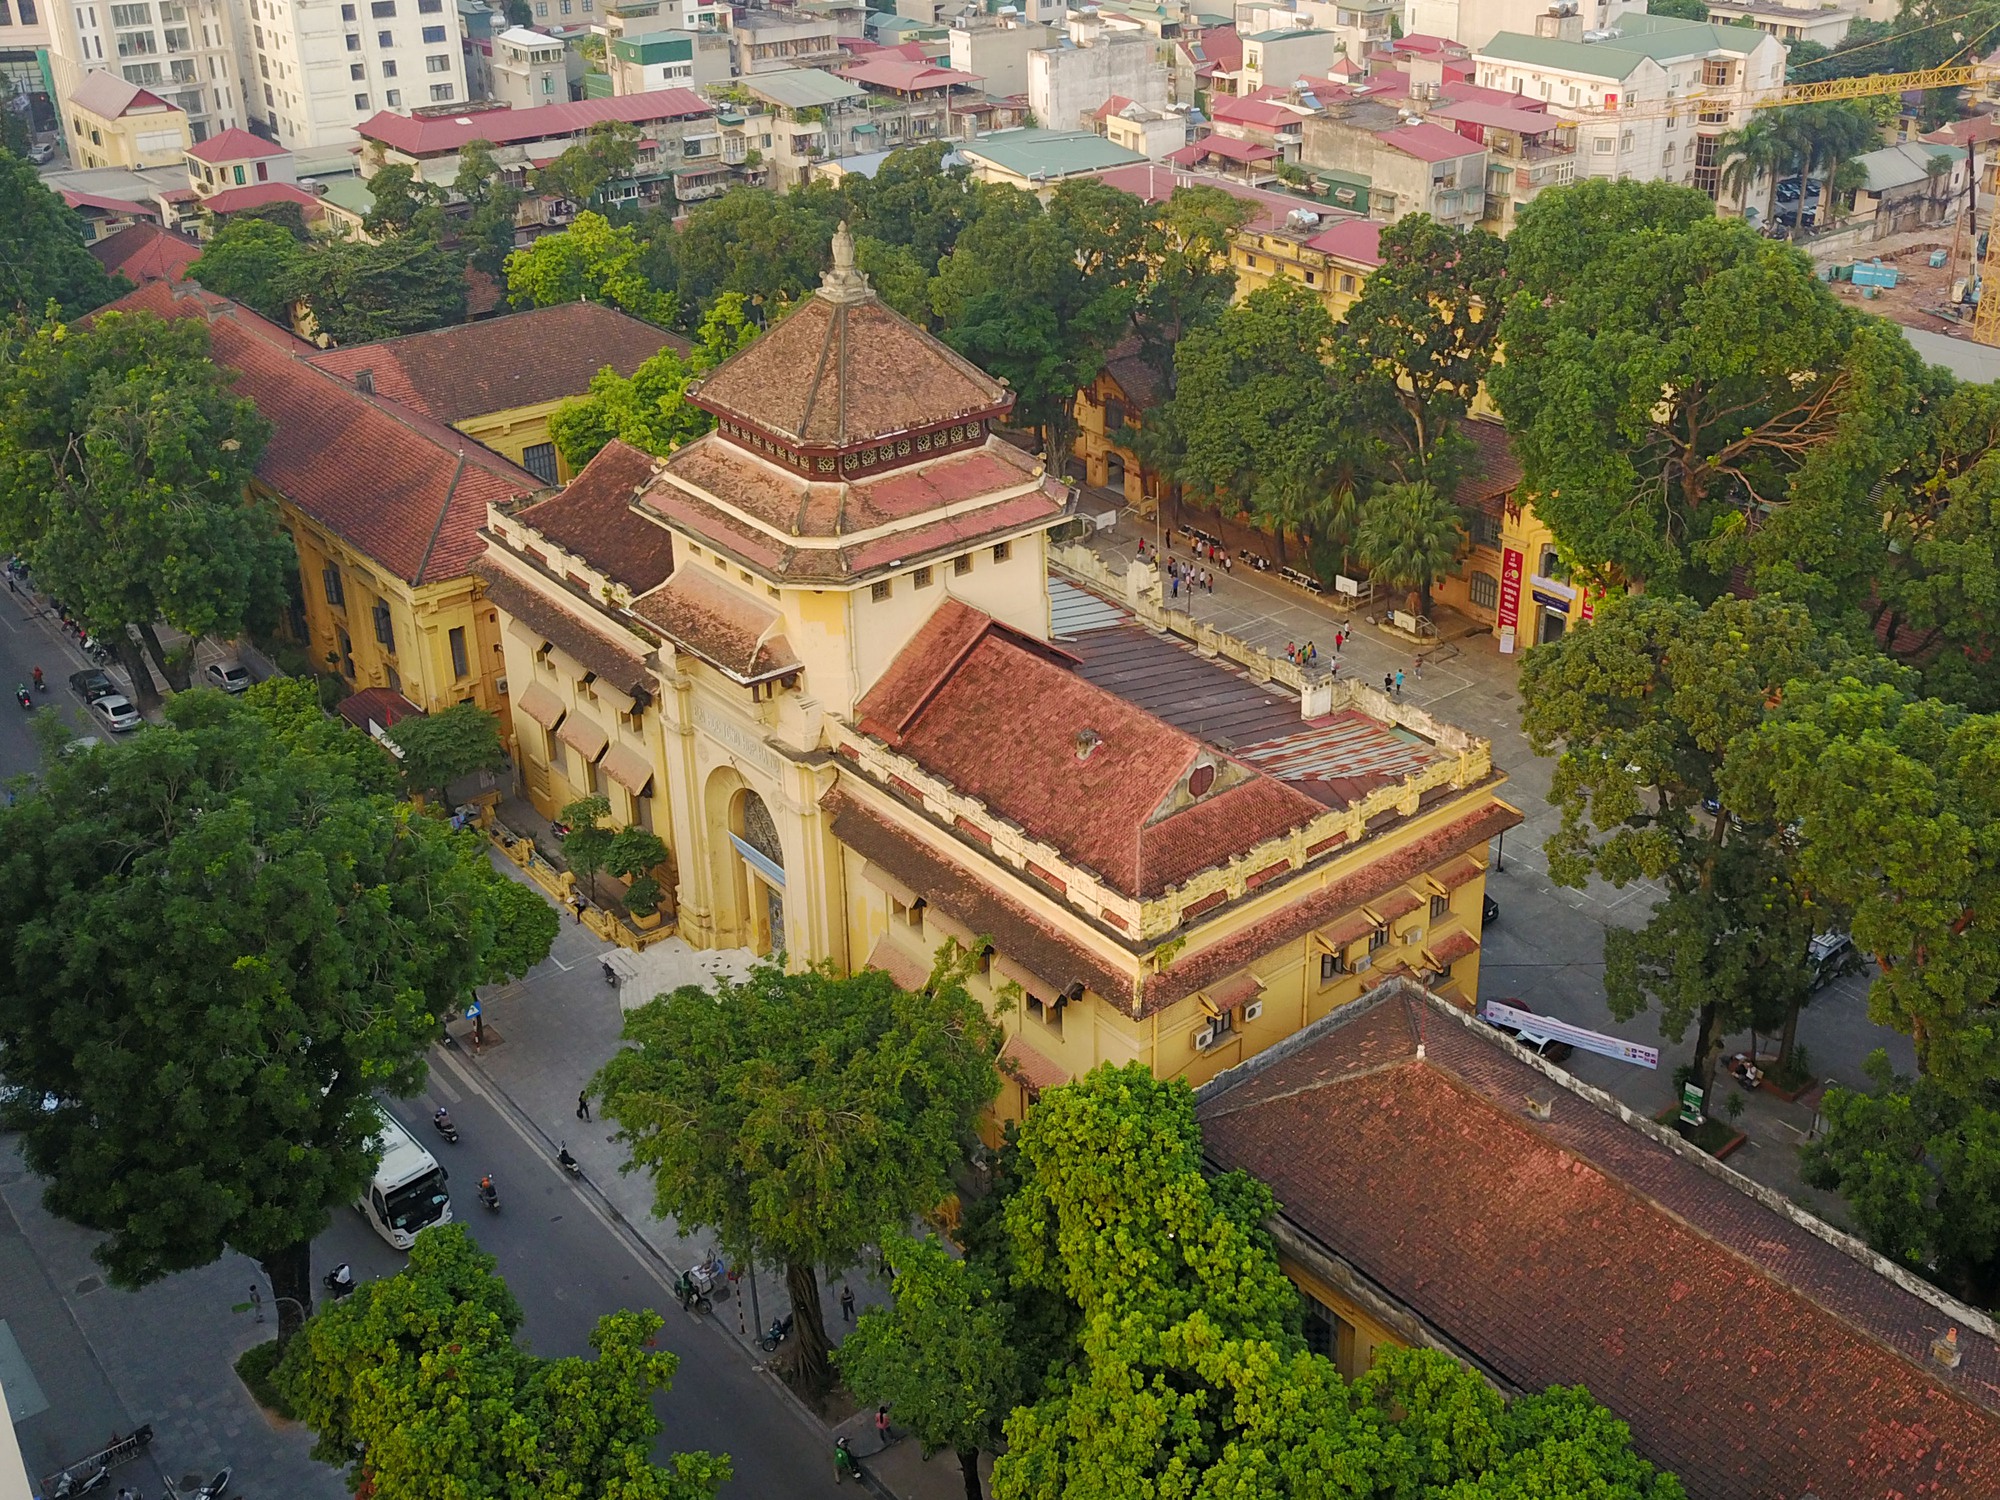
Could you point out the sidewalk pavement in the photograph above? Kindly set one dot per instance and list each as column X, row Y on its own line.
column 547, row 1035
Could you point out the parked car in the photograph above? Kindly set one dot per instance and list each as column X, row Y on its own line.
column 92, row 685
column 1832, row 955
column 1532, row 1039
column 116, row 713
column 230, row 676
column 42, row 155
column 1489, row 911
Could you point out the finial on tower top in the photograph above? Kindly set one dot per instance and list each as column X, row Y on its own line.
column 844, row 283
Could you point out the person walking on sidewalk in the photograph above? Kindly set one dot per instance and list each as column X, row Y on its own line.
column 882, row 1425
column 583, row 1105
column 1399, row 682
column 1388, row 682
column 845, row 1464
column 846, row 1304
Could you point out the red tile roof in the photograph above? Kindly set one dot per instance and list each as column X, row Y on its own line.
column 235, row 144
column 617, row 661
column 907, row 970
column 256, row 195
column 1110, row 107
column 847, row 373
column 378, row 705
column 1002, row 720
column 1358, row 240
column 145, row 252
column 109, row 97
column 1226, row 147
column 905, row 74
column 138, row 208
column 1156, row 183
column 721, row 624
column 441, row 134
column 1749, row 1355
column 1030, row 1066
column 1222, row 46
column 973, row 900
column 1254, row 111
column 1494, row 472
column 593, row 518
column 497, row 364
column 401, row 489
column 1427, row 142
column 1522, row 119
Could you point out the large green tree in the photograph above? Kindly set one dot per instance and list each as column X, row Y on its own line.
column 220, row 938
column 254, row 262
column 802, row 1116
column 1661, row 402
column 1188, row 1375
column 416, row 1386
column 1646, row 710
column 771, row 247
column 359, row 293
column 1420, row 339
column 605, row 154
column 438, row 748
column 1258, row 420
column 491, row 205
column 590, row 261
column 42, row 257
column 1919, row 1167
column 1897, row 803
column 943, row 1356
column 125, row 463
column 649, row 409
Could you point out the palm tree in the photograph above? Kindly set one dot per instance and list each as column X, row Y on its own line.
column 1936, row 172
column 1842, row 184
column 1756, row 153
column 1840, row 132
column 1408, row 535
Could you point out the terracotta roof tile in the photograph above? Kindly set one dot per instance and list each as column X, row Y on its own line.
column 521, row 359
column 1450, row 948
column 378, row 705
column 1493, row 472
column 846, row 373
column 1192, row 971
column 235, row 144
column 145, row 252
column 1002, row 724
column 600, row 654
column 257, row 195
column 1028, row 1065
column 593, row 518
column 401, row 489
column 908, row 972
column 972, row 901
column 441, row 134
column 721, row 624
column 1748, row 1355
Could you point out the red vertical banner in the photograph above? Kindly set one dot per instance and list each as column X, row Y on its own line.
column 1586, row 601
column 1508, row 618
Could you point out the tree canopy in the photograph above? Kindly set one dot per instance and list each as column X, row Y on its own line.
column 440, row 747
column 802, row 1115
column 125, row 463
column 42, row 255
column 649, row 409
column 1189, row 1375
column 415, row 1385
column 592, row 260
column 222, row 935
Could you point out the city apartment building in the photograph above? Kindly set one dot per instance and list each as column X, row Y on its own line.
column 529, row 69
column 183, row 52
column 1406, row 164
column 318, row 68
column 25, row 35
column 111, row 123
column 1652, row 97
column 1474, row 23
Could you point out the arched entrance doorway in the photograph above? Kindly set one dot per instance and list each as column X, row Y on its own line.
column 760, row 871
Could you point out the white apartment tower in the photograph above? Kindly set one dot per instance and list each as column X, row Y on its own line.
column 315, row 69
column 184, row 51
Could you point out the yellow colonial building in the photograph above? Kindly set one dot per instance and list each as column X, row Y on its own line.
column 1333, row 263
column 822, row 653
column 383, row 505
column 499, row 380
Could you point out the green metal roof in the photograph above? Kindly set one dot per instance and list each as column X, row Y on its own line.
column 799, row 88
column 1284, row 34
column 1640, row 38
column 656, row 47
column 1051, row 153
column 1901, row 165
column 348, row 191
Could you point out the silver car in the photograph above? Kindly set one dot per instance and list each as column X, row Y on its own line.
column 230, row 676
column 116, row 713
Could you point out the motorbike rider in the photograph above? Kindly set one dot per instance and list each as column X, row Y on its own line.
column 563, row 1156
column 442, row 1120
column 341, row 1280
column 38, row 679
column 21, row 695
column 488, row 1193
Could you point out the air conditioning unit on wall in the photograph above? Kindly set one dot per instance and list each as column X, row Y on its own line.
column 1204, row 1039
column 1253, row 1010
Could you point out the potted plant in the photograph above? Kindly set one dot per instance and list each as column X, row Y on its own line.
column 642, row 902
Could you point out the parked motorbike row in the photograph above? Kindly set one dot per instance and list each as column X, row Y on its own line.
column 94, row 1473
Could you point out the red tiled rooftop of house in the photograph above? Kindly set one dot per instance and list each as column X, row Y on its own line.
column 404, row 490
column 1226, row 147
column 1427, row 142
column 497, row 364
column 1749, row 1355
column 104, row 202
column 145, row 252
column 257, row 195
column 905, row 75
column 441, row 134
column 1257, row 110
column 592, row 517
column 1008, row 722
column 235, row 144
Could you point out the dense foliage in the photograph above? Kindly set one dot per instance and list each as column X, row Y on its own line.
column 802, row 1115
column 416, row 1386
column 221, row 937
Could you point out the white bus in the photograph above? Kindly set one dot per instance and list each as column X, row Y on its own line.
column 408, row 1190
